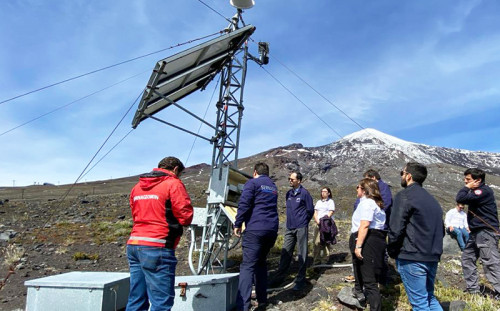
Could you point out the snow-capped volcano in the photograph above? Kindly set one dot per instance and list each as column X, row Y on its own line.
column 371, row 139
column 341, row 165
column 392, row 147
column 345, row 160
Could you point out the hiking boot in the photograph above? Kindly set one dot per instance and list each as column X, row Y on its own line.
column 255, row 306
column 298, row 287
column 275, row 283
column 473, row 291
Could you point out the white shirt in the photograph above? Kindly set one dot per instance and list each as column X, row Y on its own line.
column 368, row 210
column 456, row 219
column 323, row 207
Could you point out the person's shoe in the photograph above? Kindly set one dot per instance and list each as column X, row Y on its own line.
column 256, row 306
column 496, row 297
column 298, row 287
column 359, row 296
column 473, row 291
column 274, row 283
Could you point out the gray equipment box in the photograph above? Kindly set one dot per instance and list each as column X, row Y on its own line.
column 206, row 292
column 79, row 291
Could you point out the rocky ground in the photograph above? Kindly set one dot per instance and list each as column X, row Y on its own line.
column 42, row 235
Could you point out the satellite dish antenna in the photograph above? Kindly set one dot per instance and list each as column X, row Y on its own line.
column 242, row 4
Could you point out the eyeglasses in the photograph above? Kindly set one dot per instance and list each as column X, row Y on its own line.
column 291, row 179
column 402, row 173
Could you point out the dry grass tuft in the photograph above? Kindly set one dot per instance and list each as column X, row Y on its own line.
column 13, row 254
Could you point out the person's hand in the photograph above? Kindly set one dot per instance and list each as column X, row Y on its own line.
column 450, row 228
column 237, row 231
column 473, row 184
column 357, row 252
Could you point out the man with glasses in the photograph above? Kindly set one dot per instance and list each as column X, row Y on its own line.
column 299, row 211
column 482, row 217
column 416, row 232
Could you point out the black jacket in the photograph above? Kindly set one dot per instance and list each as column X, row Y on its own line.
column 416, row 228
column 482, row 207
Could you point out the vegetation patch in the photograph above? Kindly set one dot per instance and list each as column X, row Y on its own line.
column 84, row 256
column 109, row 231
column 12, row 254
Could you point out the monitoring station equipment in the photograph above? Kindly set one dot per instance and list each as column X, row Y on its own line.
column 178, row 76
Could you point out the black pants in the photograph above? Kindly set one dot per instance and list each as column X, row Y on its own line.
column 253, row 269
column 367, row 271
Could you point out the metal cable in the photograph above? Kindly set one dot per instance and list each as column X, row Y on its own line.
column 108, row 67
column 289, row 91
column 317, row 92
column 102, row 158
column 217, row 12
column 201, row 123
column 300, row 78
column 71, row 103
column 59, row 202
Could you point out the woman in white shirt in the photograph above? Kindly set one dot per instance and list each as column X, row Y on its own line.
column 324, row 207
column 367, row 242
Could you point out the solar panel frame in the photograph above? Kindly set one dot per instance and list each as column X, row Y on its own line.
column 181, row 74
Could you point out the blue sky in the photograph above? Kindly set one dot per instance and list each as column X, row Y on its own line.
column 423, row 71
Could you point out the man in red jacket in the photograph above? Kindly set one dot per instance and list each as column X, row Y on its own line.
column 160, row 207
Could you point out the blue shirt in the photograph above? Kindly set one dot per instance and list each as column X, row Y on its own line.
column 258, row 205
column 299, row 208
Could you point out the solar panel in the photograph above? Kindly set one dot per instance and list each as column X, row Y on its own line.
column 179, row 75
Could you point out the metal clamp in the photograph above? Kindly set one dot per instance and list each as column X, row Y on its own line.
column 183, row 286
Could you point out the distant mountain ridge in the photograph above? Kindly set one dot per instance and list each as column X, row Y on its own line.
column 369, row 140
column 342, row 163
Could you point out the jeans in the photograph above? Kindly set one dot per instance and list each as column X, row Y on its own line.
column 461, row 235
column 418, row 280
column 152, row 277
column 253, row 269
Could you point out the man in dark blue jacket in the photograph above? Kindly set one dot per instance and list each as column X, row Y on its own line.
column 258, row 210
column 416, row 234
column 482, row 217
column 299, row 211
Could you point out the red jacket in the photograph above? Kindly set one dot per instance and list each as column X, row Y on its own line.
column 160, row 207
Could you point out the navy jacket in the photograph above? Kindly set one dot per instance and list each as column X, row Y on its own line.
column 416, row 229
column 481, row 201
column 299, row 208
column 258, row 205
column 385, row 193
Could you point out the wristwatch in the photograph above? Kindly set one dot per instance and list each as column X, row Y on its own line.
column 358, row 246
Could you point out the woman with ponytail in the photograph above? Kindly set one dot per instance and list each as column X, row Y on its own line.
column 367, row 243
